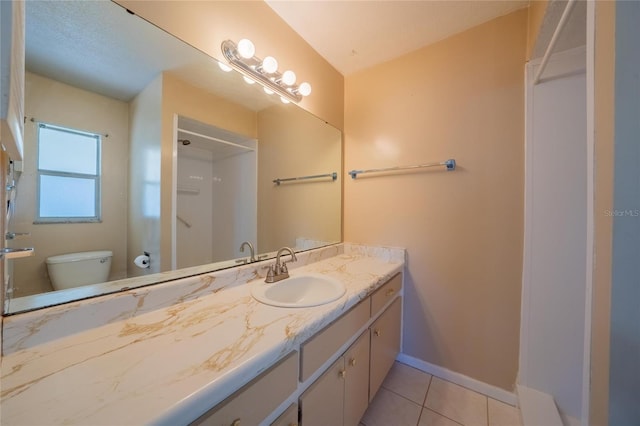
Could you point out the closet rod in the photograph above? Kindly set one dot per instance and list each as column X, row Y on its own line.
column 211, row 138
column 554, row 39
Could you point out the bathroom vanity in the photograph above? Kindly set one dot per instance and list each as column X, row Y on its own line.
column 202, row 350
column 341, row 394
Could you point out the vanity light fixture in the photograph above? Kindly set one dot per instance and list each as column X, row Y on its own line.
column 242, row 58
column 225, row 67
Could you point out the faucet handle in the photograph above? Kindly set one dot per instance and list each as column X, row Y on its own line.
column 270, row 274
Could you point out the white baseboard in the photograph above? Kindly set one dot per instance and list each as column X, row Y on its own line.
column 538, row 408
column 460, row 379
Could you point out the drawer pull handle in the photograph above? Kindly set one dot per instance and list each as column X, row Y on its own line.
column 391, row 291
column 377, row 332
column 236, row 422
column 342, row 374
column 352, row 362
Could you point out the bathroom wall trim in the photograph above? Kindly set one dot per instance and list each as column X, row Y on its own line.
column 460, row 379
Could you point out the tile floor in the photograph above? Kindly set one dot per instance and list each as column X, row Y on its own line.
column 410, row 397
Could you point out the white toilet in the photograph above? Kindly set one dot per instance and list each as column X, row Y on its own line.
column 77, row 269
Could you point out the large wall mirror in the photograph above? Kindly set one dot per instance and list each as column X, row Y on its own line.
column 139, row 147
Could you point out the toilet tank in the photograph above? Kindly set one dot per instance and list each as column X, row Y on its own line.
column 77, row 269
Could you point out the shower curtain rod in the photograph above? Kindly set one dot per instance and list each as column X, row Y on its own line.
column 211, row 138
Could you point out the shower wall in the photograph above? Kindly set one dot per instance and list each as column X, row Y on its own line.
column 216, row 209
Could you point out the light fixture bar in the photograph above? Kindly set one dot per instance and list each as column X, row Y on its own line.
column 247, row 68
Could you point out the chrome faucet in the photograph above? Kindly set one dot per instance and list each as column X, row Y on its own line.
column 279, row 271
column 253, row 255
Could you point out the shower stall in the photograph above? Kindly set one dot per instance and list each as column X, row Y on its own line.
column 215, row 193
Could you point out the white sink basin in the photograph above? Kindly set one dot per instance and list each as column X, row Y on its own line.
column 299, row 291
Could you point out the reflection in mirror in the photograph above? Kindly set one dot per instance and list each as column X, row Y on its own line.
column 186, row 157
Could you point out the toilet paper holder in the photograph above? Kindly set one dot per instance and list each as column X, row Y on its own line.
column 143, row 261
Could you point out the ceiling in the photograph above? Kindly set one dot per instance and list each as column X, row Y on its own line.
column 354, row 35
column 74, row 42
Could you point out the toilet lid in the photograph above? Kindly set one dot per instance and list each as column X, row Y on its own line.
column 75, row 257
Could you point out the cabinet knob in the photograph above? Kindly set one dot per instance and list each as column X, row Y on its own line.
column 342, row 374
column 391, row 291
column 377, row 332
column 352, row 362
column 236, row 422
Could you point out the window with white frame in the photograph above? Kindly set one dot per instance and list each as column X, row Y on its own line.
column 68, row 175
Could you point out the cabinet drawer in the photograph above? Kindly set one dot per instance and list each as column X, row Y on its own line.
column 385, row 293
column 317, row 350
column 257, row 399
column 385, row 345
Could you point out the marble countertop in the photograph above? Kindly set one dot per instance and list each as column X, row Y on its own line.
column 171, row 365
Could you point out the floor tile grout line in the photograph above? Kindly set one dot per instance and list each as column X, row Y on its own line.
column 424, row 400
column 400, row 395
column 486, row 398
column 441, row 415
column 461, row 386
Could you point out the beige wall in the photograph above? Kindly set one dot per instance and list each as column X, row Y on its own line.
column 52, row 102
column 460, row 98
column 143, row 232
column 205, row 25
column 604, row 159
column 292, row 142
column 537, row 9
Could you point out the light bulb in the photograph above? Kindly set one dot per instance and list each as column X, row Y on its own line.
column 284, row 100
column 246, row 49
column 270, row 64
column 289, row 77
column 304, row 89
column 268, row 91
column 224, row 67
column 247, row 80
